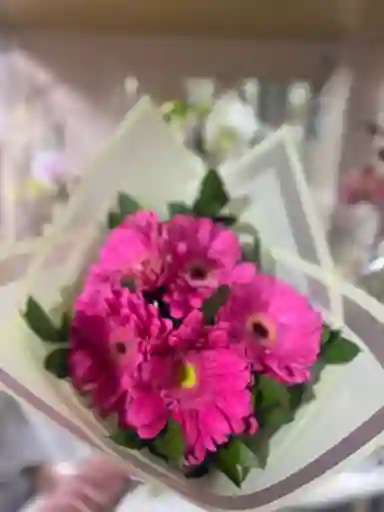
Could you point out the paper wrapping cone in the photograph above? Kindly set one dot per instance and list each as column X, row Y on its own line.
column 144, row 159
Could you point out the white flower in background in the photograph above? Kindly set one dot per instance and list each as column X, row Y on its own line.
column 216, row 131
column 230, row 128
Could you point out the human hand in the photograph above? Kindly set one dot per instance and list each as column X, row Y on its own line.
column 97, row 486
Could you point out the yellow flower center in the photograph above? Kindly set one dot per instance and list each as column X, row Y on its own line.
column 188, row 376
column 263, row 328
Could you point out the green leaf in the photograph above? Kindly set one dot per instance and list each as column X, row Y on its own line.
column 277, row 418
column 127, row 204
column 235, row 460
column 171, row 444
column 259, row 446
column 176, row 109
column 227, row 459
column 212, row 305
column 296, row 396
column 301, row 394
column 271, row 421
column 57, row 363
column 202, row 109
column 114, row 219
column 339, row 351
column 177, row 208
column 65, row 326
column 212, row 197
column 40, row 322
column 330, row 335
column 154, row 451
column 128, row 438
column 225, row 220
column 247, row 457
column 198, row 471
column 252, row 252
column 273, row 393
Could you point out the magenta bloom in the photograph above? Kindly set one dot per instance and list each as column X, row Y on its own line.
column 134, row 251
column 275, row 327
column 208, row 391
column 113, row 333
column 201, row 256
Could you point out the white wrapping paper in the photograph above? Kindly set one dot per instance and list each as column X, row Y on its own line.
column 144, row 159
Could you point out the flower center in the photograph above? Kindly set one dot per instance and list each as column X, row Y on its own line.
column 263, row 328
column 198, row 272
column 120, row 348
column 188, row 378
column 128, row 281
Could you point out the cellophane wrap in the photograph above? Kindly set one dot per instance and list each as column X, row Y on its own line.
column 269, row 190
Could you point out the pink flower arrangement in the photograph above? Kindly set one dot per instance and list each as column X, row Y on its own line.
column 191, row 347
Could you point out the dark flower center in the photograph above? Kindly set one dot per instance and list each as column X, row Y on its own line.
column 198, row 272
column 128, row 282
column 121, row 348
column 156, row 297
column 260, row 330
column 263, row 328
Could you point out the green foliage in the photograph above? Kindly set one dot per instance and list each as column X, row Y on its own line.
column 171, row 442
column 177, row 208
column 175, row 110
column 114, row 219
column 57, row 363
column 212, row 305
column 339, row 351
column 335, row 348
column 272, row 393
column 235, row 460
column 126, row 205
column 65, row 326
column 212, row 196
column 128, row 438
column 225, row 220
column 329, row 335
column 41, row 324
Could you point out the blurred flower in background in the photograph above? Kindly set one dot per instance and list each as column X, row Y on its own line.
column 216, row 131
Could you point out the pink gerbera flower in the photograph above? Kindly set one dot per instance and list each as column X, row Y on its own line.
column 133, row 251
column 201, row 255
column 207, row 391
column 112, row 334
column 275, row 327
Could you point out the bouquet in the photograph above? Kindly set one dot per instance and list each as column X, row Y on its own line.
column 153, row 329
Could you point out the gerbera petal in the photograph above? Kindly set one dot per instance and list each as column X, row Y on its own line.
column 145, row 409
column 153, row 429
column 225, row 247
column 243, row 273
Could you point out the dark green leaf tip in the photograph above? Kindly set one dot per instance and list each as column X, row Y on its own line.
column 57, row 363
column 212, row 196
column 40, row 322
column 216, row 301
